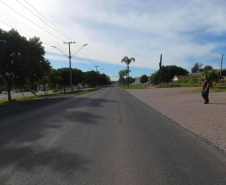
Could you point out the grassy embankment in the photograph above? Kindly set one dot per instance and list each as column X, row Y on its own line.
column 81, row 91
column 212, row 89
column 186, row 82
column 195, row 82
column 134, row 86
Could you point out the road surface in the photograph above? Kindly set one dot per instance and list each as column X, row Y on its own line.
column 103, row 137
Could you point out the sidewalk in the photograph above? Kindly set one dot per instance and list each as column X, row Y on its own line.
column 187, row 109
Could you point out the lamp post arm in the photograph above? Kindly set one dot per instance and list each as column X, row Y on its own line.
column 79, row 49
column 60, row 51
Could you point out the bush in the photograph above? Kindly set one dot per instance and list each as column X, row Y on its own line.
column 214, row 75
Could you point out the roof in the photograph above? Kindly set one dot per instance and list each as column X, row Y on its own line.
column 180, row 76
column 195, row 74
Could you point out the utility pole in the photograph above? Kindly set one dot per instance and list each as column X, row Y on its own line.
column 69, row 44
column 222, row 62
column 96, row 74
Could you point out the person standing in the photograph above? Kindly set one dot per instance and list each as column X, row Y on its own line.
column 205, row 91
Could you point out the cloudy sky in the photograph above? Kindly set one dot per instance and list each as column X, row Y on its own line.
column 183, row 31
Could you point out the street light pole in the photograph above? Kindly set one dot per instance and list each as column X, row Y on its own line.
column 96, row 74
column 69, row 44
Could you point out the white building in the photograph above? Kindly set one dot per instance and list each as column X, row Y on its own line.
column 137, row 80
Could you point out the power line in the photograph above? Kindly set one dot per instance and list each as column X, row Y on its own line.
column 84, row 56
column 13, row 22
column 30, row 20
column 48, row 20
column 41, row 19
column 51, row 24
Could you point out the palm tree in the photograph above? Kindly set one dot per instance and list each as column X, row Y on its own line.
column 128, row 61
column 121, row 77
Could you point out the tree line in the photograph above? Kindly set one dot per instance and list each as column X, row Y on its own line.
column 24, row 67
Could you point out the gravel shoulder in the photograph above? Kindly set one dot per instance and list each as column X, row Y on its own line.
column 187, row 109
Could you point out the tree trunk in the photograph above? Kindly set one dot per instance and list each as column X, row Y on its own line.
column 128, row 76
column 22, row 93
column 9, row 93
column 33, row 93
column 64, row 89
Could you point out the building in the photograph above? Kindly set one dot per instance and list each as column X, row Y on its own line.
column 178, row 77
column 137, row 80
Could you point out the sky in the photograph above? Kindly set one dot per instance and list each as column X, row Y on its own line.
column 184, row 32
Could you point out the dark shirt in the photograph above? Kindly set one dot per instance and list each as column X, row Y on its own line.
column 206, row 82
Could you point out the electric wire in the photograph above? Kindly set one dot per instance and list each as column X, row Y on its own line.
column 31, row 21
column 68, row 37
column 48, row 20
column 41, row 19
column 81, row 58
column 50, row 23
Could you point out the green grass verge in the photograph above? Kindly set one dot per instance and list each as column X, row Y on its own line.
column 81, row 91
column 212, row 89
column 134, row 86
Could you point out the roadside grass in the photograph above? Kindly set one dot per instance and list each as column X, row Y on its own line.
column 212, row 89
column 81, row 91
column 134, row 86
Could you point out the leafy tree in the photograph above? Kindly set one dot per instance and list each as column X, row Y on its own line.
column 196, row 68
column 127, row 61
column 39, row 66
column 131, row 80
column 22, row 61
column 121, row 77
column 104, row 80
column 207, row 68
column 213, row 75
column 158, row 77
column 64, row 74
column 143, row 79
column 55, row 80
column 166, row 73
column 90, row 78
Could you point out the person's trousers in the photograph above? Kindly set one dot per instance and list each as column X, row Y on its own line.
column 205, row 95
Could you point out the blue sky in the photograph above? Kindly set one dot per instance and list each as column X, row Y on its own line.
column 185, row 32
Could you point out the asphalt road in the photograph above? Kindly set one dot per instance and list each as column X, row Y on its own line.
column 103, row 137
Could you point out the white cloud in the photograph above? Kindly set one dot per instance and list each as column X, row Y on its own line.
column 169, row 27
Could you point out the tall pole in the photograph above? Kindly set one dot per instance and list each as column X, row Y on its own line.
column 69, row 44
column 96, row 74
column 222, row 62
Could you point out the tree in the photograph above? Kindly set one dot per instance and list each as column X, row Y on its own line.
column 166, row 73
column 160, row 63
column 90, row 78
column 22, row 61
column 207, row 68
column 143, row 79
column 55, row 80
column 127, row 61
column 213, row 75
column 196, row 68
column 39, row 67
column 104, row 80
column 64, row 74
column 77, row 76
column 131, row 80
column 121, row 77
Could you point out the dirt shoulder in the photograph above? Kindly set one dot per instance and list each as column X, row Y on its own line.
column 187, row 109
